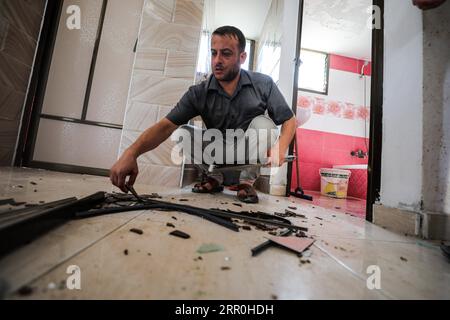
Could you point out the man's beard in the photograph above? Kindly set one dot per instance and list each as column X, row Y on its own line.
column 232, row 74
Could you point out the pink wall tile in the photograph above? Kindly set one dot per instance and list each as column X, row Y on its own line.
column 323, row 150
column 349, row 64
column 357, row 186
column 339, row 157
column 338, row 142
column 309, row 176
column 310, row 155
column 308, row 138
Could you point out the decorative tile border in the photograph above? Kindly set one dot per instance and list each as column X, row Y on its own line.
column 338, row 109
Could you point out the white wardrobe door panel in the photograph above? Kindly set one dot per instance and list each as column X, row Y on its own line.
column 76, row 144
column 112, row 75
column 71, row 61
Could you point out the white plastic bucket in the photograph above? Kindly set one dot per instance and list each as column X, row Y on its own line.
column 334, row 182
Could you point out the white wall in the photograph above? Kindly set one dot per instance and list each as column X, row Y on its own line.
column 436, row 112
column 401, row 168
column 344, row 87
column 278, row 181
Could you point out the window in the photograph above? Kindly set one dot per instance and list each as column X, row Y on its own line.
column 269, row 60
column 249, row 48
column 204, row 54
column 313, row 72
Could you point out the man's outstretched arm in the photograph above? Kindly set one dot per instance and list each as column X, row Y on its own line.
column 147, row 141
column 278, row 151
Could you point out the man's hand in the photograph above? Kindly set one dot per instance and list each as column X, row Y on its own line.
column 277, row 153
column 147, row 141
column 276, row 157
column 124, row 167
column 428, row 4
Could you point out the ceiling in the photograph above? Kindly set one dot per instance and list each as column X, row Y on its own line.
column 247, row 15
column 332, row 26
column 337, row 26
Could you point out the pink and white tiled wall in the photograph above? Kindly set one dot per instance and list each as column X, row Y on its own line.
column 338, row 124
column 324, row 150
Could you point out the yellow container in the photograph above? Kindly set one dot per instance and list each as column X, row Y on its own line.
column 334, row 182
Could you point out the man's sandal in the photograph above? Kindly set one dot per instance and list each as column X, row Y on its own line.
column 249, row 196
column 202, row 187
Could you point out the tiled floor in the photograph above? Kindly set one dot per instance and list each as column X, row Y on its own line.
column 350, row 206
column 159, row 266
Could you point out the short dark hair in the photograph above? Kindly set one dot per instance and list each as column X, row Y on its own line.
column 232, row 31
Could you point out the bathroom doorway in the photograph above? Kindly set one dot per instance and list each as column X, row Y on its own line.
column 333, row 104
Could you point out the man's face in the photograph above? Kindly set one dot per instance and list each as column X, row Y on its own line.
column 226, row 59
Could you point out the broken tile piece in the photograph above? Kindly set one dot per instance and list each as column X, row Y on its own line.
column 209, row 247
column 294, row 243
column 5, row 201
column 305, row 261
column 11, row 202
column 307, row 253
column 137, row 231
column 301, row 234
column 180, row 234
column 25, row 291
column 288, row 213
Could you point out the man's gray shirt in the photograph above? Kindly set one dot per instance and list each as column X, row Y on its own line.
column 254, row 94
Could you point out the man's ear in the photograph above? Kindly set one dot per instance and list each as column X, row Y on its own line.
column 243, row 57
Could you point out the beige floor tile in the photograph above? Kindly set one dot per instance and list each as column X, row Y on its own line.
column 345, row 246
column 408, row 270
